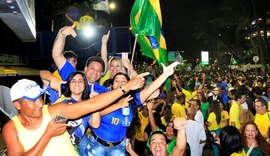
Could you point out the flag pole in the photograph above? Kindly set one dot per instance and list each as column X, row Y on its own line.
column 134, row 47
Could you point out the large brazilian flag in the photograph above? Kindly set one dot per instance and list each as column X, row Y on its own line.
column 146, row 22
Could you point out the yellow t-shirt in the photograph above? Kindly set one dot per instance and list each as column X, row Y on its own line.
column 144, row 122
column 234, row 114
column 224, row 116
column 178, row 110
column 243, row 153
column 188, row 96
column 213, row 120
column 263, row 122
column 60, row 145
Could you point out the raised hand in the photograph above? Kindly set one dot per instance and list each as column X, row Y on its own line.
column 169, row 70
column 137, row 82
column 106, row 37
column 124, row 102
column 56, row 84
column 68, row 30
column 179, row 123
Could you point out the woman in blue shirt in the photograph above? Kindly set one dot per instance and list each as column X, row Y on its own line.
column 109, row 137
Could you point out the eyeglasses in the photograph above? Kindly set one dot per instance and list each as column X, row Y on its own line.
column 257, row 106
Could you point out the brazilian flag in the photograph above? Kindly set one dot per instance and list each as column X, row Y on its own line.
column 146, row 22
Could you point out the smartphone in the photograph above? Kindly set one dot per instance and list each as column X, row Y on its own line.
column 60, row 119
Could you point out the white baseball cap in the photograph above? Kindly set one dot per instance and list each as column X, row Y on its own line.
column 26, row 89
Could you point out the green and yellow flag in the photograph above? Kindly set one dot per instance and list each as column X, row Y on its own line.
column 146, row 22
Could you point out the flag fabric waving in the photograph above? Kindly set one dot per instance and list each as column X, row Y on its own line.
column 101, row 6
column 146, row 22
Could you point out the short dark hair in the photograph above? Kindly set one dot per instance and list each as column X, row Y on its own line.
column 70, row 54
column 158, row 132
column 95, row 59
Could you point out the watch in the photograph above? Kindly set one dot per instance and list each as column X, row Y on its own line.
column 123, row 90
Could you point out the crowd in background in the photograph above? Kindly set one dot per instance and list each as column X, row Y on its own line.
column 201, row 109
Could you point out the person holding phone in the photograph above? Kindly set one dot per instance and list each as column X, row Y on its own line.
column 33, row 131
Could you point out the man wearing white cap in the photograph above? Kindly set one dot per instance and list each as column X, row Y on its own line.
column 34, row 131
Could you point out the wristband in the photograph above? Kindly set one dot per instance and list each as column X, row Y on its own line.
column 123, row 90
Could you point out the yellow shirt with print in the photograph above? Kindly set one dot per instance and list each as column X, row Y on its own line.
column 212, row 118
column 178, row 110
column 234, row 114
column 224, row 116
column 263, row 122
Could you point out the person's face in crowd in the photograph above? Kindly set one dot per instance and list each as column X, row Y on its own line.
column 32, row 109
column 216, row 91
column 199, row 96
column 93, row 72
column 77, row 85
column 73, row 61
column 259, row 108
column 221, row 106
column 119, row 81
column 250, row 131
column 169, row 129
column 158, row 145
column 194, row 105
column 115, row 67
column 260, row 84
column 243, row 99
column 230, row 95
column 145, row 111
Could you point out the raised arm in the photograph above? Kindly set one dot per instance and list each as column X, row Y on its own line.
column 97, row 102
column 151, row 117
column 181, row 140
column 167, row 71
column 104, row 51
column 48, row 78
column 59, row 44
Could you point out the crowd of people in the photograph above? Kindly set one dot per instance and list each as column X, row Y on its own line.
column 114, row 110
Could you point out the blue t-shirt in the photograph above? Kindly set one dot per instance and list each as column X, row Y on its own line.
column 111, row 128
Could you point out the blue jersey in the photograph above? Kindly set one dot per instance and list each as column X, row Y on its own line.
column 111, row 128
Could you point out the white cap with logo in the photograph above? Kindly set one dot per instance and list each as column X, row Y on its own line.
column 26, row 89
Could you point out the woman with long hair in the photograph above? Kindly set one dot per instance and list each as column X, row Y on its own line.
column 213, row 122
column 253, row 142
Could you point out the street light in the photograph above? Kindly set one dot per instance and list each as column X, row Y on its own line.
column 112, row 6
